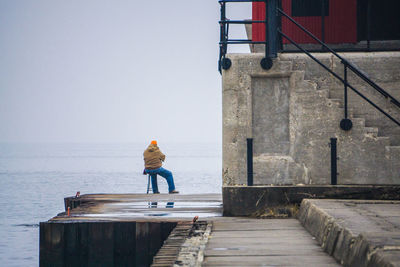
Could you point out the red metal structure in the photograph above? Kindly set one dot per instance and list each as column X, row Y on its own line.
column 347, row 25
column 340, row 20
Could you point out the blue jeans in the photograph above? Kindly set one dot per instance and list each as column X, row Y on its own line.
column 163, row 173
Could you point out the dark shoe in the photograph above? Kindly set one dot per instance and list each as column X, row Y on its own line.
column 174, row 192
column 156, row 192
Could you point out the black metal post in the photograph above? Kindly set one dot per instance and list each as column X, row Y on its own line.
column 271, row 33
column 279, row 18
column 225, row 63
column 345, row 91
column 323, row 23
column 273, row 28
column 345, row 124
column 266, row 28
column 221, row 36
column 249, row 161
column 223, row 19
column 369, row 25
column 333, row 145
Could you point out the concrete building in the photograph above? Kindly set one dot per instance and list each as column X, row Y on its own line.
column 293, row 109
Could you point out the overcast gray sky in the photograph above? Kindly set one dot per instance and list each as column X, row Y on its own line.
column 111, row 70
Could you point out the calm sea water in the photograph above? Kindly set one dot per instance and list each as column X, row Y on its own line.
column 34, row 179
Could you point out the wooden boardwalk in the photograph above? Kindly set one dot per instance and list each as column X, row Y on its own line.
column 263, row 242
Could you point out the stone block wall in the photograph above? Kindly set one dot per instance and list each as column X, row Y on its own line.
column 292, row 111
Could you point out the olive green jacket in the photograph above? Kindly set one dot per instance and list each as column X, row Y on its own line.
column 153, row 157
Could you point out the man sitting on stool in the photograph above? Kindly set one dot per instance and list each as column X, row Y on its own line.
column 153, row 159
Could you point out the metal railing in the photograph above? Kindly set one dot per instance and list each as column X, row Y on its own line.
column 345, row 124
column 368, row 38
column 270, row 49
column 274, row 15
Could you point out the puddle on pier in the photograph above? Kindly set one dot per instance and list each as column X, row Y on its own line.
column 176, row 204
column 154, row 214
column 165, row 209
column 227, row 249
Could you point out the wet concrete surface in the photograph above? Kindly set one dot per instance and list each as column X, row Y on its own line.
column 123, row 207
column 234, row 241
column 355, row 232
column 263, row 242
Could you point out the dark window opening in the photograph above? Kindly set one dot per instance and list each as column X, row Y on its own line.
column 382, row 22
column 309, row 8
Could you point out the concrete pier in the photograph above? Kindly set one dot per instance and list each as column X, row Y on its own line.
column 119, row 229
column 163, row 230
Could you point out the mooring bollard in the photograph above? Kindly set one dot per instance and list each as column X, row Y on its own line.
column 333, row 146
column 249, row 161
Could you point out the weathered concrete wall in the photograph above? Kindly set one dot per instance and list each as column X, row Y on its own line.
column 280, row 201
column 381, row 67
column 290, row 114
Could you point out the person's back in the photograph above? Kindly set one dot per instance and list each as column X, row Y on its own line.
column 153, row 158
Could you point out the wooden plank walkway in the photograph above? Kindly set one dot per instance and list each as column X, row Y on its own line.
column 263, row 242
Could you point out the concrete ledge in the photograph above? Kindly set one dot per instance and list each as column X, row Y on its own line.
column 354, row 232
column 283, row 201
